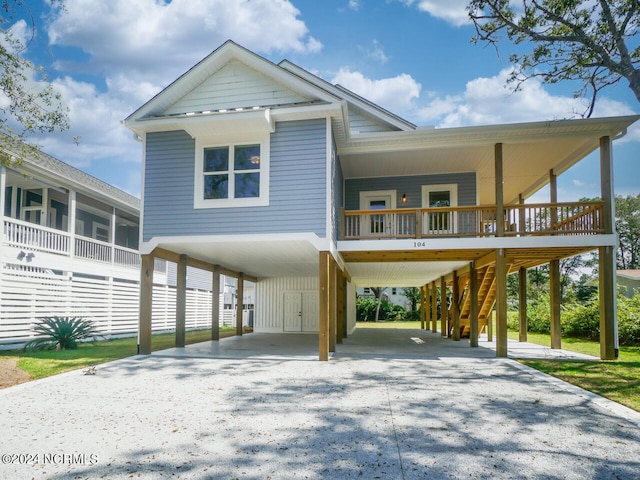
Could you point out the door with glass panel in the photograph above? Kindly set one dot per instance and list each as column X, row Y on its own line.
column 374, row 223
column 439, row 196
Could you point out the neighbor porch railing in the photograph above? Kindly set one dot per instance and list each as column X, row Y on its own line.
column 36, row 238
column 583, row 218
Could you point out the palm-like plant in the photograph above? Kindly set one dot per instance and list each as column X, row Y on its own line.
column 61, row 331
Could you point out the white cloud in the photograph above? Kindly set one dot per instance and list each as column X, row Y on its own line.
column 491, row 101
column 376, row 52
column 148, row 38
column 451, row 11
column 354, row 5
column 396, row 94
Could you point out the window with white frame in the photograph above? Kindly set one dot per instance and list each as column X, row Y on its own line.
column 232, row 174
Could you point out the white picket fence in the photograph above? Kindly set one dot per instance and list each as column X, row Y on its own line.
column 30, row 294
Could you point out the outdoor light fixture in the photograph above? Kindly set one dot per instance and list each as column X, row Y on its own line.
column 404, row 198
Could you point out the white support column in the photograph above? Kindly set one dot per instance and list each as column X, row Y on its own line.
column 71, row 222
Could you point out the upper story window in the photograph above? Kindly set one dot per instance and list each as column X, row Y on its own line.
column 231, row 175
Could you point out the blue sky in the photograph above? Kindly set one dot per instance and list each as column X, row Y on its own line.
column 412, row 57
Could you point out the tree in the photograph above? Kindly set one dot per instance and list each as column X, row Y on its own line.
column 377, row 291
column 413, row 295
column 593, row 42
column 29, row 103
column 628, row 228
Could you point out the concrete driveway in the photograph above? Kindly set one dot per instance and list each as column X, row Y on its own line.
column 388, row 405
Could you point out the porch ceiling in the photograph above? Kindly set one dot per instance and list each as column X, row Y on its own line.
column 530, row 151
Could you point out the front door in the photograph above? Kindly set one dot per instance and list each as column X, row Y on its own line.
column 301, row 311
column 436, row 196
column 378, row 224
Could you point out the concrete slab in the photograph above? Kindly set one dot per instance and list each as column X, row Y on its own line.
column 432, row 410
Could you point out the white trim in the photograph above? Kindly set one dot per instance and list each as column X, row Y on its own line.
column 452, row 188
column 474, row 243
column 244, row 138
column 367, row 196
column 328, row 182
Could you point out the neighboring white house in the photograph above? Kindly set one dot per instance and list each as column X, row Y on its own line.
column 69, row 247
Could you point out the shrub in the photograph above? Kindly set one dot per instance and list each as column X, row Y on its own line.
column 581, row 320
column 539, row 315
column 62, row 331
column 411, row 315
column 513, row 320
column 629, row 320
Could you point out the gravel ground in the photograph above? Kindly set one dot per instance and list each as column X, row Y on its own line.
column 359, row 416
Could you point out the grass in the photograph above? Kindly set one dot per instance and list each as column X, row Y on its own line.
column 40, row 364
column 617, row 380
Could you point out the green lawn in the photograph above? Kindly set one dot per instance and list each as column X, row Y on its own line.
column 617, row 380
column 385, row 324
column 49, row 362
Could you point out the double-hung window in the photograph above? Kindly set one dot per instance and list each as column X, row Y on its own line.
column 231, row 175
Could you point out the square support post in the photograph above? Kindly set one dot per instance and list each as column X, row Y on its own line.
column 455, row 308
column 443, row 308
column 146, row 304
column 345, row 332
column 215, row 303
column 239, row 303
column 434, row 307
column 323, row 333
column 181, row 301
column 608, row 307
column 501, row 303
column 423, row 307
column 339, row 306
column 473, row 307
column 607, row 258
column 555, row 292
column 499, row 186
column 332, row 304
column 523, row 324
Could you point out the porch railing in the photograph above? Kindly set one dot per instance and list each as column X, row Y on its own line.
column 583, row 218
column 37, row 238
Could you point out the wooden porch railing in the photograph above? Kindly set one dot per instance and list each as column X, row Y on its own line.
column 582, row 218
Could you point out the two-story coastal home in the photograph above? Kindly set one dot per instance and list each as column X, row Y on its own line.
column 268, row 172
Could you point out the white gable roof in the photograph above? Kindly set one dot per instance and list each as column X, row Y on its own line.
column 234, row 79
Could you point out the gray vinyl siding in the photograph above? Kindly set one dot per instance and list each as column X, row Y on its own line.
column 412, row 187
column 360, row 122
column 297, row 199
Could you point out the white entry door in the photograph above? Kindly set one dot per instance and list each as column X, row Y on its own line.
column 434, row 196
column 301, row 311
column 377, row 223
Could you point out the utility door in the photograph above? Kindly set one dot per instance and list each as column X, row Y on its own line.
column 301, row 311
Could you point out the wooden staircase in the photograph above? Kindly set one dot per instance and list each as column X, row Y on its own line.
column 486, row 301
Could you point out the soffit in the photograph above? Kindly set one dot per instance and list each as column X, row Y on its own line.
column 530, row 151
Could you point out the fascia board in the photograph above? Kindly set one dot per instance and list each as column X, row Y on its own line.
column 489, row 134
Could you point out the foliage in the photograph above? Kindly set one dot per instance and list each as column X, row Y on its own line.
column 539, row 314
column 61, row 332
column 30, row 104
column 411, row 315
column 628, row 228
column 366, row 310
column 581, row 320
column 413, row 295
column 629, row 320
column 593, row 43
